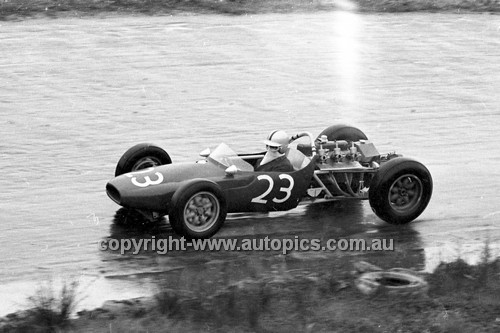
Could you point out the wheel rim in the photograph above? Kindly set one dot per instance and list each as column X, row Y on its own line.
column 146, row 162
column 201, row 211
column 405, row 193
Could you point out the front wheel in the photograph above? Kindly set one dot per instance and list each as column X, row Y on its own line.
column 198, row 209
column 141, row 156
column 400, row 191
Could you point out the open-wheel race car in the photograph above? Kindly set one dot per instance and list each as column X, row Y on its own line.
column 340, row 164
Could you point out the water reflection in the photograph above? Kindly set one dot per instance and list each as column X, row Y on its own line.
column 338, row 219
column 320, row 221
column 332, row 219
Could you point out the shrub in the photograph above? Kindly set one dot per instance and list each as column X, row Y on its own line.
column 50, row 311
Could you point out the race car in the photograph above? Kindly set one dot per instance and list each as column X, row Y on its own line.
column 339, row 164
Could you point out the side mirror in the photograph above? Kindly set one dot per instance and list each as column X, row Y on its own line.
column 205, row 152
column 232, row 170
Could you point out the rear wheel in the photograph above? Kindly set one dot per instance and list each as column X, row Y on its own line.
column 343, row 132
column 335, row 132
column 141, row 156
column 198, row 209
column 400, row 191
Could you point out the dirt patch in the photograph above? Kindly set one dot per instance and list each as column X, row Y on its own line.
column 19, row 9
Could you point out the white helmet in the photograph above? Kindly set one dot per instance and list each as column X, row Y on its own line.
column 278, row 139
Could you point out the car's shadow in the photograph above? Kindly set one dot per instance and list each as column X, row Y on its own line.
column 129, row 223
column 337, row 219
column 318, row 221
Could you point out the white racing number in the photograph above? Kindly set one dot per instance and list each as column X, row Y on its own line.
column 287, row 190
column 147, row 180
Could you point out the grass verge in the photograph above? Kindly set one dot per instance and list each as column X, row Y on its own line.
column 461, row 298
column 19, row 9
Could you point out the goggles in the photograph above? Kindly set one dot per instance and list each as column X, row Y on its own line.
column 272, row 147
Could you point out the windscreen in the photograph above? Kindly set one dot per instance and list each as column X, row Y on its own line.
column 225, row 156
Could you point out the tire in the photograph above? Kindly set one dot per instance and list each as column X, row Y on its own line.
column 394, row 283
column 141, row 156
column 343, row 132
column 198, row 209
column 400, row 191
column 336, row 132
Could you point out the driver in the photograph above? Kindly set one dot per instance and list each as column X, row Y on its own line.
column 275, row 159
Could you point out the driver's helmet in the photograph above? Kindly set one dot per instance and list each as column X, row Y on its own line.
column 278, row 139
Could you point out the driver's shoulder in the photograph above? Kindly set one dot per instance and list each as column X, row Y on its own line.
column 280, row 164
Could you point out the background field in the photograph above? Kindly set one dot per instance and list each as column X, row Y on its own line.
column 12, row 9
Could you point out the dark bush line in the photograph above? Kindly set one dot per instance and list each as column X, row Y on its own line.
column 18, row 9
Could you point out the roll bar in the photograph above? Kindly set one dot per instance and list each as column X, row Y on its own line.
column 311, row 139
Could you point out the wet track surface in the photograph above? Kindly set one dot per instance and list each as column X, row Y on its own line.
column 75, row 94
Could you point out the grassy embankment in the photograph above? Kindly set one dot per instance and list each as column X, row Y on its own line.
column 460, row 299
column 18, row 9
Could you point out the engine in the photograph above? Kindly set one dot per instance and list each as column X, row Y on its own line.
column 345, row 169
